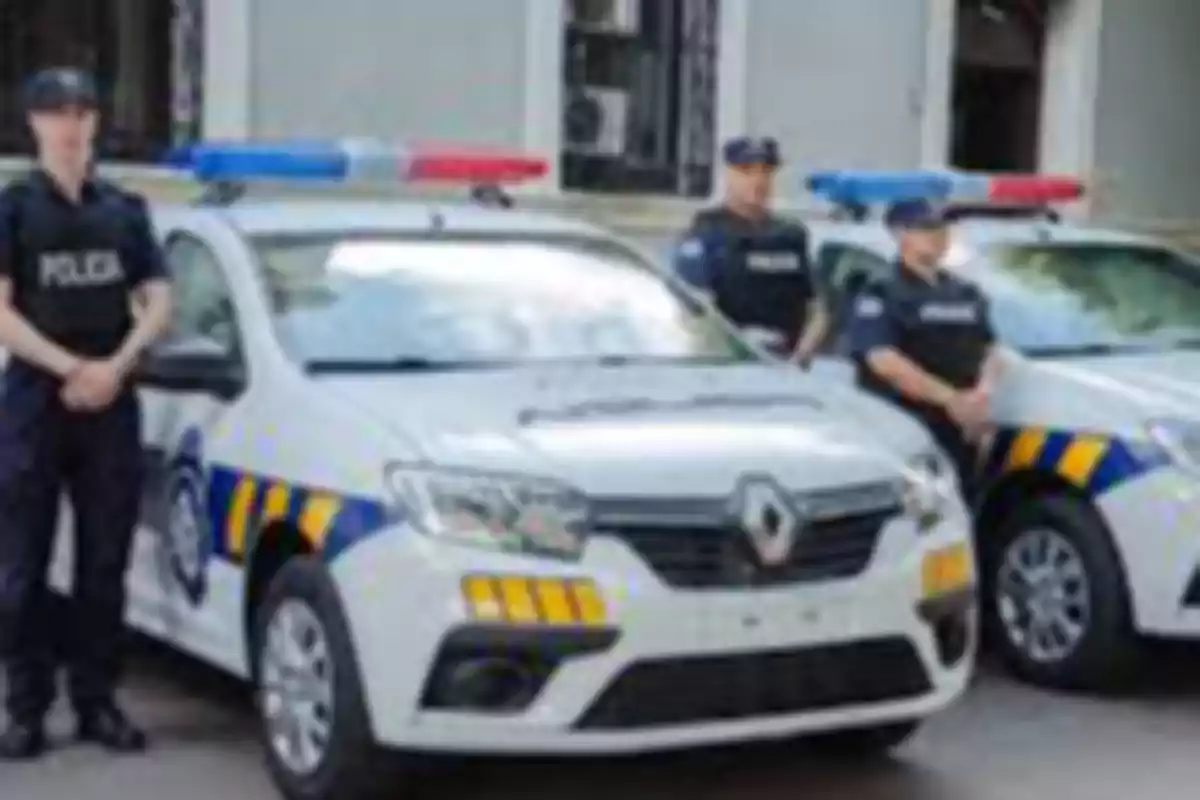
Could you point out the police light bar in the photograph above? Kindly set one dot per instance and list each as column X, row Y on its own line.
column 864, row 188
column 353, row 160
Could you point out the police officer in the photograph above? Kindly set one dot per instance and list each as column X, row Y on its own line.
column 77, row 256
column 754, row 265
column 923, row 338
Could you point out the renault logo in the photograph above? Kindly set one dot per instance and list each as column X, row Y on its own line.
column 769, row 519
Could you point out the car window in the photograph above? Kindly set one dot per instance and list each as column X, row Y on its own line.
column 204, row 317
column 846, row 270
column 367, row 303
column 1059, row 299
column 851, row 268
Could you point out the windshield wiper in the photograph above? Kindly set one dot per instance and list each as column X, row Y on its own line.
column 405, row 364
column 631, row 360
column 1087, row 350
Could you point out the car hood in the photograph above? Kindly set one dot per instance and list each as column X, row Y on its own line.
column 634, row 430
column 1104, row 391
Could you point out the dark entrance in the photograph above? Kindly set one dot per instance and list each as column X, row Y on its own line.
column 998, row 71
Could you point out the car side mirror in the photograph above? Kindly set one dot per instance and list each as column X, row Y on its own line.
column 218, row 374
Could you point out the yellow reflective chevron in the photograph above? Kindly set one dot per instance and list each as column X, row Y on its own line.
column 1091, row 462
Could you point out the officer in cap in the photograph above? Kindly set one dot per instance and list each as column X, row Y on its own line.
column 77, row 258
column 753, row 264
column 923, row 338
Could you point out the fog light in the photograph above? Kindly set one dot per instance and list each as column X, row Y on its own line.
column 484, row 683
column 952, row 636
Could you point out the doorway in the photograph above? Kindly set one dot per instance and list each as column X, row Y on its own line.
column 999, row 66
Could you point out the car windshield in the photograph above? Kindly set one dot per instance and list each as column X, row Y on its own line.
column 371, row 303
column 1057, row 299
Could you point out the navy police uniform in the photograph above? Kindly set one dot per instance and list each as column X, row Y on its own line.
column 757, row 271
column 942, row 325
column 72, row 266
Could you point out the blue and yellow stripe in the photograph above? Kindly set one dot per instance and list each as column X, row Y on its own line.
column 242, row 504
column 1093, row 463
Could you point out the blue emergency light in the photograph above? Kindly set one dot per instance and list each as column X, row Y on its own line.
column 859, row 188
column 352, row 160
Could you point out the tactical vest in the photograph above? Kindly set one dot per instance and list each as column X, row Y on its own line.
column 763, row 280
column 69, row 280
column 951, row 350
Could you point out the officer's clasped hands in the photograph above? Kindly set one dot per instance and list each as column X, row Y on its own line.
column 91, row 386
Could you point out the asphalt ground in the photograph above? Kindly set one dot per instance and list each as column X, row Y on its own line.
column 1003, row 742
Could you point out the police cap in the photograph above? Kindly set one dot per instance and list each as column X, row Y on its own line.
column 60, row 88
column 745, row 151
column 917, row 213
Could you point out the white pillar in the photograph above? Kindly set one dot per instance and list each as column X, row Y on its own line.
column 940, row 35
column 733, row 42
column 545, row 30
column 228, row 69
column 1070, row 86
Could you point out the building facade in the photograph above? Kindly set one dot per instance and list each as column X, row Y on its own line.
column 634, row 96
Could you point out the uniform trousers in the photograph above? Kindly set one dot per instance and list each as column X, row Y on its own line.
column 47, row 450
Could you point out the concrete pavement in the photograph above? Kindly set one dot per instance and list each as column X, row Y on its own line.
column 1005, row 742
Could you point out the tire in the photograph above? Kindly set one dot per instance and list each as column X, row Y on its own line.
column 1105, row 656
column 352, row 766
column 859, row 744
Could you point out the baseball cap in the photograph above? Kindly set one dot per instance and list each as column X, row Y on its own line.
column 744, row 151
column 915, row 213
column 59, row 88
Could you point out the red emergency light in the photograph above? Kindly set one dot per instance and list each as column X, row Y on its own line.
column 1036, row 190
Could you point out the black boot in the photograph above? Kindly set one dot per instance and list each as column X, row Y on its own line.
column 109, row 727
column 22, row 741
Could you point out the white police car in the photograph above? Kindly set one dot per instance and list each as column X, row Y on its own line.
column 466, row 480
column 1089, row 533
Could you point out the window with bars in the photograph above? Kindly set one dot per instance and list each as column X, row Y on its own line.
column 639, row 84
column 134, row 49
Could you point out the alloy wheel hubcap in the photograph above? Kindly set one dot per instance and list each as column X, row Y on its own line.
column 185, row 534
column 296, row 687
column 1043, row 595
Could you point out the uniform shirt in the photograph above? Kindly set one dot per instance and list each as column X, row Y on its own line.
column 74, row 265
column 943, row 326
column 758, row 272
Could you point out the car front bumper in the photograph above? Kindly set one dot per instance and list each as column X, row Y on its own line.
column 627, row 664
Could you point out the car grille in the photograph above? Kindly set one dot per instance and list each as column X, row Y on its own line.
column 732, row 687
column 721, row 557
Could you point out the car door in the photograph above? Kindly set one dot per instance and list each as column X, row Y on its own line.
column 191, row 384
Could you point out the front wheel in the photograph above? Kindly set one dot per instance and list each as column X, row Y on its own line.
column 312, row 714
column 1056, row 604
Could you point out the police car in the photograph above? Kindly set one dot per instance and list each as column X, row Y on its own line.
column 1089, row 531
column 466, row 480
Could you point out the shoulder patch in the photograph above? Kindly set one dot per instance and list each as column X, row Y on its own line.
column 868, row 306
column 691, row 247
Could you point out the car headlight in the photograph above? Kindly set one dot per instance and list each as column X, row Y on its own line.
column 1179, row 439
column 500, row 511
column 928, row 487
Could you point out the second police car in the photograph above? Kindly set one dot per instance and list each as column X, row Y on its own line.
column 454, row 479
column 1089, row 532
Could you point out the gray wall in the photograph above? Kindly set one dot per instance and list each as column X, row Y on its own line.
column 448, row 70
column 1147, row 146
column 841, row 83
